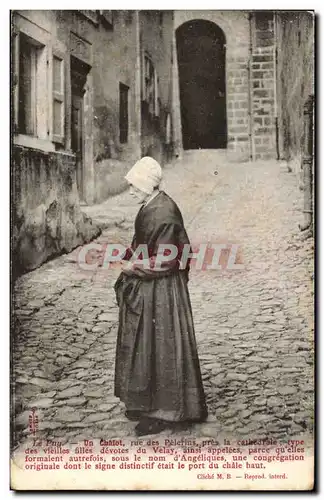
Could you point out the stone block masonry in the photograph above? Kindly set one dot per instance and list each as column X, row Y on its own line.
column 263, row 81
column 295, row 70
column 235, row 26
column 46, row 217
column 237, row 104
column 250, row 81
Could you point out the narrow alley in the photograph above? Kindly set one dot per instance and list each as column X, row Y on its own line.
column 254, row 326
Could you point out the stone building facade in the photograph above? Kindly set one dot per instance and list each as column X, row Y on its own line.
column 296, row 102
column 295, row 78
column 93, row 91
column 232, row 85
column 247, row 83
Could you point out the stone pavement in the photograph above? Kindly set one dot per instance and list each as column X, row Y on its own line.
column 254, row 326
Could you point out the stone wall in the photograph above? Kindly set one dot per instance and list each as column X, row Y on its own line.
column 295, row 79
column 45, row 210
column 238, row 88
column 156, row 30
column 114, row 62
column 263, row 86
column 46, row 216
column 113, row 59
column 269, row 68
column 117, row 57
column 238, row 107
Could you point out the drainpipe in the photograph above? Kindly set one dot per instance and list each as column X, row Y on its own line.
column 307, row 164
column 275, row 72
column 251, row 131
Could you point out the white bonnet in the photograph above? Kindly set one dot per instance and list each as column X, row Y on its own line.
column 145, row 175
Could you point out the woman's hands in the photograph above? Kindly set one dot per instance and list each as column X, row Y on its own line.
column 147, row 269
column 126, row 267
column 134, row 269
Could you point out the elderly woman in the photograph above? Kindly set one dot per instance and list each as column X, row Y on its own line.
column 157, row 373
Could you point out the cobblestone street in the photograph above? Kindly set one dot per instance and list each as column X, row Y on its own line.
column 254, row 326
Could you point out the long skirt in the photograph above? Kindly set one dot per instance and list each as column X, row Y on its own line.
column 157, row 368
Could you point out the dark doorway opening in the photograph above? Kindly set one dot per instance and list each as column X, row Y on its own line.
column 123, row 113
column 79, row 72
column 201, row 61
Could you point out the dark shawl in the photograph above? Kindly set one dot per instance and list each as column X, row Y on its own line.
column 157, row 363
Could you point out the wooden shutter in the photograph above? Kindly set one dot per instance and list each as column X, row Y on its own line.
column 58, row 98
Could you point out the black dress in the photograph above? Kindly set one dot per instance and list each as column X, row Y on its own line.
column 157, row 368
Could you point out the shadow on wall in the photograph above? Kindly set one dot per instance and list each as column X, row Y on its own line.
column 110, row 174
column 155, row 150
column 109, row 178
column 109, row 169
column 106, row 143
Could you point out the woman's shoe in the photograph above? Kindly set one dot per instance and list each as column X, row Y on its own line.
column 133, row 415
column 150, row 426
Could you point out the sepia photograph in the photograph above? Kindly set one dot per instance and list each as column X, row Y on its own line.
column 162, row 222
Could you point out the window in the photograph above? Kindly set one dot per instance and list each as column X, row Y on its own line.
column 38, row 64
column 161, row 23
column 150, row 87
column 28, row 88
column 123, row 113
column 58, row 99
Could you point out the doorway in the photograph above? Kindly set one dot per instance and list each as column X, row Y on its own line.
column 79, row 72
column 201, row 52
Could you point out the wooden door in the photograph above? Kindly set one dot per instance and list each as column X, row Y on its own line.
column 77, row 138
column 79, row 72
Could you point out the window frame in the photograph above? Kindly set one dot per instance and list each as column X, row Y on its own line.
column 153, row 83
column 40, row 38
column 31, row 117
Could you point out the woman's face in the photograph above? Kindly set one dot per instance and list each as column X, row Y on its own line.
column 137, row 194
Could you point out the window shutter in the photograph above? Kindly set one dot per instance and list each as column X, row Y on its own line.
column 58, row 98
